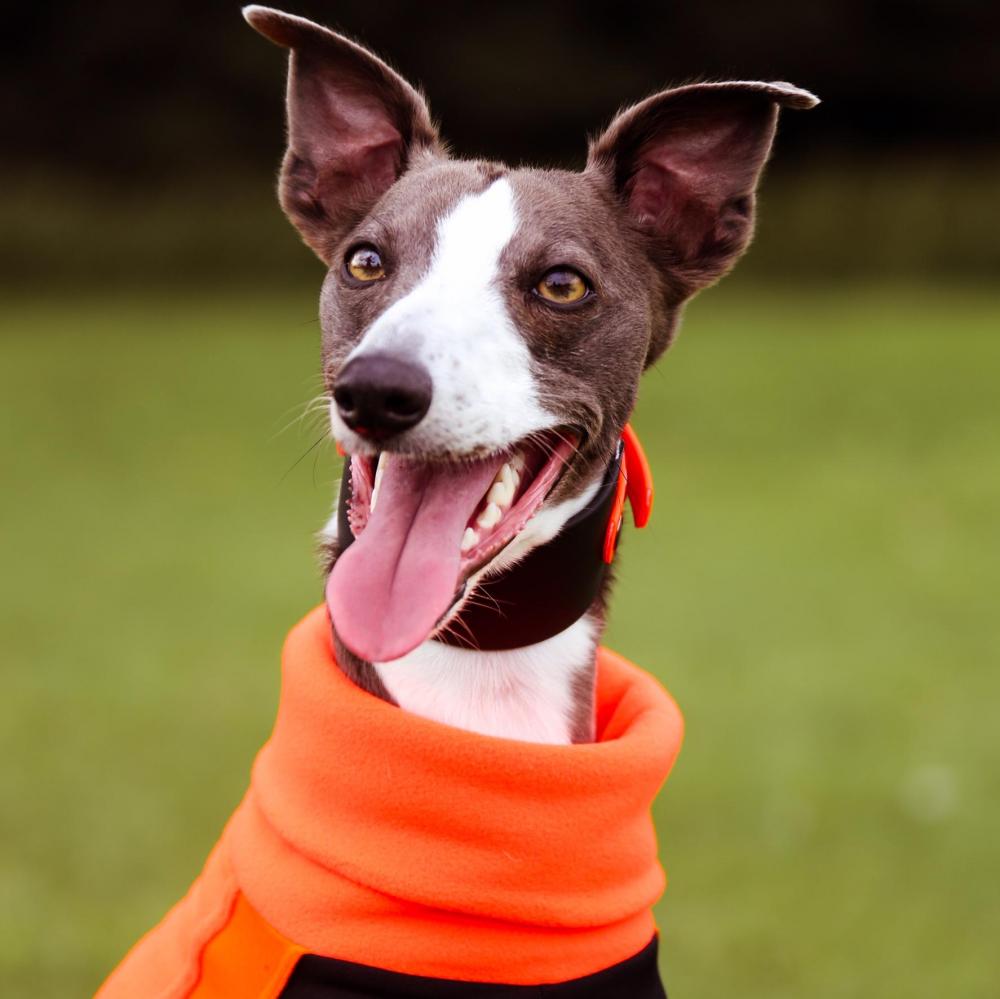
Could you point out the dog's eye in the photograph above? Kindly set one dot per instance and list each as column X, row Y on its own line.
column 562, row 286
column 364, row 263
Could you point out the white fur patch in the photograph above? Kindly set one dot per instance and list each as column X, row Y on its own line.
column 524, row 694
column 456, row 323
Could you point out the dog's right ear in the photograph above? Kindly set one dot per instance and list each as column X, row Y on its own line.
column 353, row 127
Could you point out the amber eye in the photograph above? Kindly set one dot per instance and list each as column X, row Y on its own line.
column 364, row 263
column 562, row 286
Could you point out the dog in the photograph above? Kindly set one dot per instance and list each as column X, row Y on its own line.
column 455, row 799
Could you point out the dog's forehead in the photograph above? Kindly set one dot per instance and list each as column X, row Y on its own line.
column 548, row 206
column 565, row 217
column 554, row 199
column 427, row 193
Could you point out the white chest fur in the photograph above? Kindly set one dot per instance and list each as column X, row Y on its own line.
column 525, row 693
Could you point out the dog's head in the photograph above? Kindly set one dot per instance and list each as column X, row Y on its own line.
column 484, row 328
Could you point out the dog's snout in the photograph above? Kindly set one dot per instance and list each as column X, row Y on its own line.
column 379, row 395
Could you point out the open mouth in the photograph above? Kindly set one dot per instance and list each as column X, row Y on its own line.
column 422, row 528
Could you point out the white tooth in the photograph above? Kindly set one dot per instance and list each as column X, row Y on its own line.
column 378, row 480
column 470, row 539
column 517, row 463
column 490, row 517
column 501, row 494
column 508, row 475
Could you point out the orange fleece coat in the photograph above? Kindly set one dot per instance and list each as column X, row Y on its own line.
column 375, row 836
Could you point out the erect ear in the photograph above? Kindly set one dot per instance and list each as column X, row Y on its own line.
column 354, row 125
column 685, row 164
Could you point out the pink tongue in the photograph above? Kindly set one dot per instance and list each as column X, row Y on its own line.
column 392, row 585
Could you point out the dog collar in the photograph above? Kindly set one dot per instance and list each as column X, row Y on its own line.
column 556, row 583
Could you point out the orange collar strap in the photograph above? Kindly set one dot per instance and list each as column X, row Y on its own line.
column 635, row 483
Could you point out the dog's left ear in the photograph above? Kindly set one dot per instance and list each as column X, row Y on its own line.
column 354, row 126
column 685, row 165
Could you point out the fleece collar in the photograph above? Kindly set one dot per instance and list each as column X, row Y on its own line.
column 373, row 835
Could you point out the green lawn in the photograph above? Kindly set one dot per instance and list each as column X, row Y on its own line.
column 818, row 588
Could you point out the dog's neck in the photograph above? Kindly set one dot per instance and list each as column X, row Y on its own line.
column 539, row 693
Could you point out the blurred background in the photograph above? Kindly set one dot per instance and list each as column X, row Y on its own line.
column 818, row 585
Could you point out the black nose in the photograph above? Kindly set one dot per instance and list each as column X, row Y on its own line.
column 379, row 395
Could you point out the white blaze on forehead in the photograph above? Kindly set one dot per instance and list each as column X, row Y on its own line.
column 471, row 238
column 456, row 323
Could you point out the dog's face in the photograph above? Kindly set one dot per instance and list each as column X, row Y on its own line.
column 517, row 291
column 484, row 328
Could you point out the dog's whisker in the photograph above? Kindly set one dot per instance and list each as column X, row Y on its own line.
column 317, row 406
column 543, row 440
column 480, row 598
column 477, row 602
column 315, row 444
column 315, row 465
column 468, row 642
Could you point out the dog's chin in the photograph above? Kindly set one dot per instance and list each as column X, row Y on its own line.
column 424, row 527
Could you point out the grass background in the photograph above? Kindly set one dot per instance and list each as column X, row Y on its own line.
column 818, row 589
